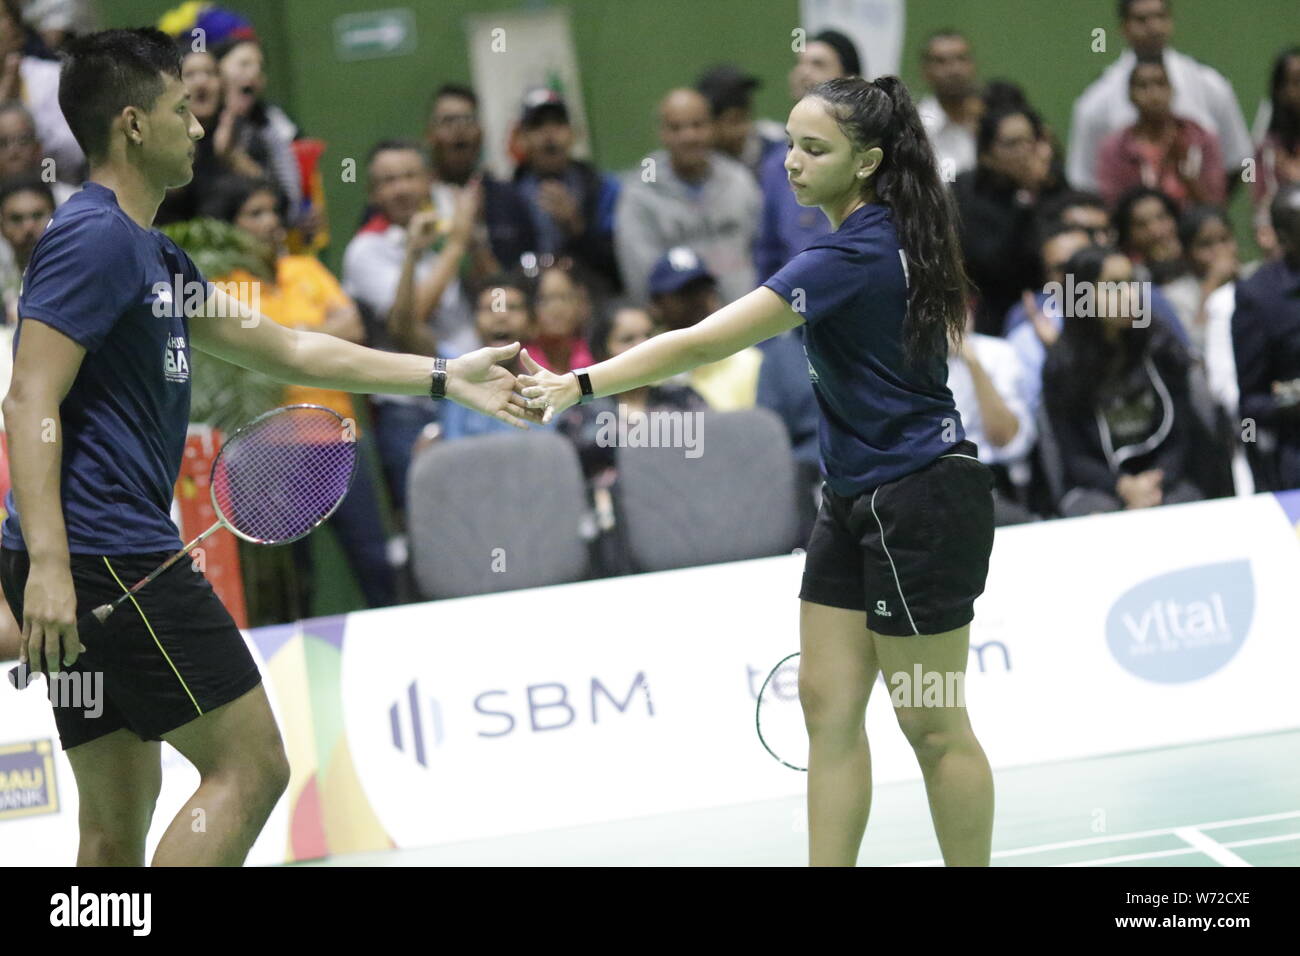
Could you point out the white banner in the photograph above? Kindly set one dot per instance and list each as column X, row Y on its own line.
column 632, row 696
column 874, row 26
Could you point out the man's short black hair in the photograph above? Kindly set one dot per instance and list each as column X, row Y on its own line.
column 453, row 89
column 106, row 72
column 26, row 183
column 398, row 146
column 944, row 33
column 1124, row 6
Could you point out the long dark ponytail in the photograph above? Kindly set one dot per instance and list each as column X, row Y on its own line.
column 881, row 113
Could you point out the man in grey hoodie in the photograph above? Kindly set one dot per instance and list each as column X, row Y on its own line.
column 688, row 194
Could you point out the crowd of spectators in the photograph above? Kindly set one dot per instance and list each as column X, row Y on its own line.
column 1183, row 384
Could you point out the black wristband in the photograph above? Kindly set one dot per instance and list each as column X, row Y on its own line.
column 438, row 385
column 584, row 385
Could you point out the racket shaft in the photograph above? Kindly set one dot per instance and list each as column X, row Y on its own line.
column 101, row 613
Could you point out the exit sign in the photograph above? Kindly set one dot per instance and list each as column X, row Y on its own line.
column 366, row 36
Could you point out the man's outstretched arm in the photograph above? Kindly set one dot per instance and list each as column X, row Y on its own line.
column 230, row 330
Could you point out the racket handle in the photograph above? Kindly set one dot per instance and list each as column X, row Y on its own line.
column 20, row 676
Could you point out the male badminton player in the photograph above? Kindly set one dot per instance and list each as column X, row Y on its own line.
column 97, row 415
column 906, row 522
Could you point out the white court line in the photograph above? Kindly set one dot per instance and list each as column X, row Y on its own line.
column 1211, row 848
column 1116, row 838
column 1260, row 840
column 1129, row 857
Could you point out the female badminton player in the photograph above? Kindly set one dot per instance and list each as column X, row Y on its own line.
column 97, row 414
column 906, row 521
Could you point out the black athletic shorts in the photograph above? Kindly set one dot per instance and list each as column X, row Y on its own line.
column 164, row 657
column 913, row 553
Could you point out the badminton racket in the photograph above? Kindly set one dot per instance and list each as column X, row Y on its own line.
column 778, row 717
column 275, row 480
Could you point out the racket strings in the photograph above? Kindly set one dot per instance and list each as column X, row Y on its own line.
column 283, row 474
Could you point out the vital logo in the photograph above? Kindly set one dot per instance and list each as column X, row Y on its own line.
column 27, row 785
column 176, row 367
column 1184, row 625
column 415, row 725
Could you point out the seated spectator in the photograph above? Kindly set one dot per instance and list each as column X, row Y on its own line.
column 1161, row 150
column 386, row 264
column 1206, row 234
column 1117, row 396
column 996, row 202
column 572, row 204
column 26, row 205
column 33, row 82
column 695, row 192
column 22, row 153
column 455, row 140
column 1146, row 222
column 1200, row 93
column 952, row 110
column 984, row 378
column 219, row 153
column 266, row 133
column 1083, row 209
column 682, row 293
column 303, row 295
column 787, row 228
column 561, row 306
column 1266, row 345
column 1277, row 158
column 730, row 93
column 503, row 315
column 614, row 332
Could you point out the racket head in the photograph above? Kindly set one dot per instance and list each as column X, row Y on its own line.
column 778, row 715
column 280, row 476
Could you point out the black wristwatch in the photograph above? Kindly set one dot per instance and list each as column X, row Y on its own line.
column 438, row 386
column 584, row 385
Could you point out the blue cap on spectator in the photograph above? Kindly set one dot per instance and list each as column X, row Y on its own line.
column 675, row 269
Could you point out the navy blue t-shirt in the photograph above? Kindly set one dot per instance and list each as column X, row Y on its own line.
column 112, row 287
column 881, row 418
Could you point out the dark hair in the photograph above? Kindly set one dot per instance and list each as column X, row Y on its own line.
column 27, row 183
column 945, row 33
column 1284, row 214
column 881, row 113
column 1049, row 230
column 1128, row 202
column 1124, row 6
column 1054, row 209
column 1076, row 364
column 452, row 89
column 396, row 145
column 106, row 72
column 844, row 48
column 514, row 279
column 1146, row 60
column 226, row 46
column 987, row 131
column 1004, row 95
column 1285, row 121
column 1192, row 219
column 228, row 195
column 602, row 325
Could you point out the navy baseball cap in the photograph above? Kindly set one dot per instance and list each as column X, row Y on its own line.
column 677, row 268
column 542, row 103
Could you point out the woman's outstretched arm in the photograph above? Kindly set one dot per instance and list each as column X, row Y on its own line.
column 749, row 320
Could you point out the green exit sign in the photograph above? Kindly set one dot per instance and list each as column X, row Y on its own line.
column 365, row 36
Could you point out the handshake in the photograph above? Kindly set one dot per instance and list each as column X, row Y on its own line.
column 479, row 381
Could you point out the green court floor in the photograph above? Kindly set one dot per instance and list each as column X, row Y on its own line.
column 1226, row 803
